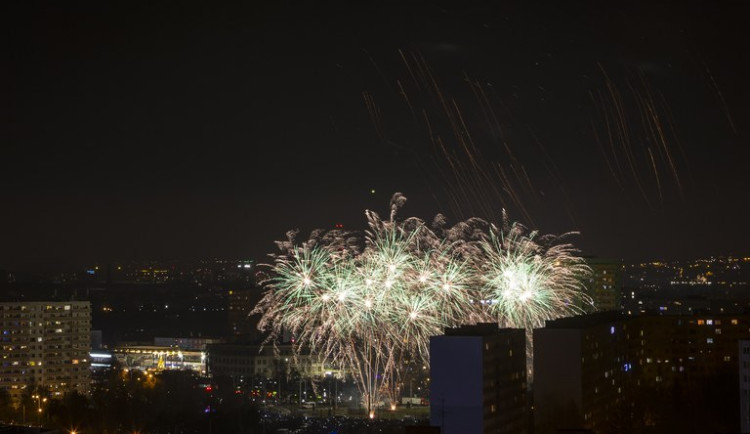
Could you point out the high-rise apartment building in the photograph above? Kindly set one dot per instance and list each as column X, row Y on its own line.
column 673, row 349
column 242, row 327
column 612, row 373
column 604, row 285
column 744, row 363
column 478, row 380
column 580, row 373
column 45, row 345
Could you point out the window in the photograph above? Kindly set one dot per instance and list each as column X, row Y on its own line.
column 709, row 340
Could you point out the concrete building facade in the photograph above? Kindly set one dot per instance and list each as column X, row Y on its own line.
column 604, row 285
column 478, row 380
column 45, row 345
column 606, row 372
column 580, row 373
column 744, row 364
column 249, row 361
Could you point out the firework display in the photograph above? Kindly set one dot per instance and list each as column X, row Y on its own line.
column 368, row 303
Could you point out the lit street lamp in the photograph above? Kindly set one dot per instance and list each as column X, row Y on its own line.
column 39, row 401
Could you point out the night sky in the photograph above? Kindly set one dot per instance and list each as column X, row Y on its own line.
column 182, row 132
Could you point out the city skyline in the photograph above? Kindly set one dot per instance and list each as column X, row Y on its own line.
column 159, row 133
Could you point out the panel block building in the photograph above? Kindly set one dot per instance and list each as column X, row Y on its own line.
column 45, row 345
column 581, row 371
column 610, row 373
column 744, row 364
column 478, row 380
column 604, row 285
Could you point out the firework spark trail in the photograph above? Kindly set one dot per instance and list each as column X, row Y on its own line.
column 468, row 173
column 638, row 150
column 720, row 97
column 368, row 310
column 374, row 112
column 656, row 175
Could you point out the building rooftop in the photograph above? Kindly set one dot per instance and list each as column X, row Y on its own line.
column 584, row 321
column 481, row 329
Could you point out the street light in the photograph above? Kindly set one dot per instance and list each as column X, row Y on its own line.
column 39, row 401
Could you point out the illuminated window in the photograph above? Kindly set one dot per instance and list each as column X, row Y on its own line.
column 718, row 331
column 709, row 340
column 710, row 322
column 701, row 322
column 734, row 322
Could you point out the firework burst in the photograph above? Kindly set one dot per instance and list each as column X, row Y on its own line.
column 370, row 309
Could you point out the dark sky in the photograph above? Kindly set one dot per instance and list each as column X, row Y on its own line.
column 156, row 132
